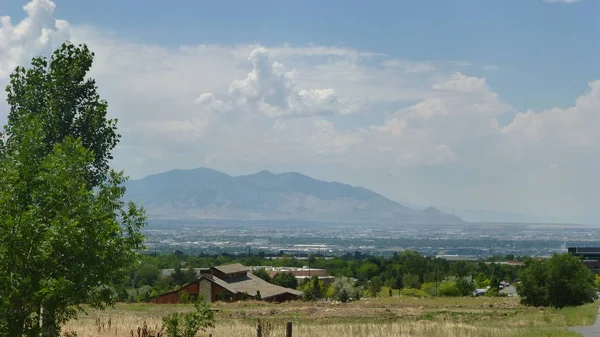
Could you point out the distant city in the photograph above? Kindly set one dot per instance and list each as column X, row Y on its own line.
column 470, row 240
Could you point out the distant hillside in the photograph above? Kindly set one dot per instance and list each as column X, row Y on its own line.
column 204, row 193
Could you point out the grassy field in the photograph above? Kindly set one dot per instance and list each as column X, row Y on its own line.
column 382, row 317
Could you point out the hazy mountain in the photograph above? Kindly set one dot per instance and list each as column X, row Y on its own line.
column 204, row 193
column 488, row 215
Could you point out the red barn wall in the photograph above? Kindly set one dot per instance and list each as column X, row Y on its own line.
column 173, row 297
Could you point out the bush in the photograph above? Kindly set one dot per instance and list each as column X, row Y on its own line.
column 345, row 289
column 429, row 288
column 412, row 292
column 184, row 297
column 187, row 325
column 411, row 281
column 494, row 292
column 448, row 289
column 563, row 280
column 481, row 281
column 374, row 286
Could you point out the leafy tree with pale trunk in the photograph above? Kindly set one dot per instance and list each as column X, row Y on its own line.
column 65, row 233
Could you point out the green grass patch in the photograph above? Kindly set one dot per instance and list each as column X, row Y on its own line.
column 578, row 316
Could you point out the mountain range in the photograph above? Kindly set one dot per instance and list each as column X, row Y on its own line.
column 204, row 193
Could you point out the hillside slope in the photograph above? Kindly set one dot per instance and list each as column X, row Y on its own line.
column 204, row 193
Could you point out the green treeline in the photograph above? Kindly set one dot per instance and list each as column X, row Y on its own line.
column 405, row 270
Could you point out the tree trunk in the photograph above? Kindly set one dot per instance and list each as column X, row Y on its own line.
column 49, row 326
column 16, row 326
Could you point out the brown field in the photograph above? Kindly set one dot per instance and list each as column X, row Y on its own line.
column 384, row 317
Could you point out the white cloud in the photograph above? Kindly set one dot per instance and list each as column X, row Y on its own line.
column 408, row 66
column 272, row 91
column 490, row 67
column 327, row 140
column 237, row 108
column 393, row 126
column 37, row 33
column 462, row 83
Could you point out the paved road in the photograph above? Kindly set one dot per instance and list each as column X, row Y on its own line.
column 589, row 331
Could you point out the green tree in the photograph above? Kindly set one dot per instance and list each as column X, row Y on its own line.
column 411, row 281
column 367, row 270
column 563, row 280
column 494, row 282
column 65, row 233
column 262, row 273
column 571, row 282
column 533, row 288
column 459, row 268
column 597, row 281
column 179, row 276
column 374, row 286
column 343, row 296
column 190, row 275
column 481, row 281
column 285, row 280
column 313, row 289
column 465, row 286
column 147, row 274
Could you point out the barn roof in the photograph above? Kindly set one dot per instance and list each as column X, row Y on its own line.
column 232, row 268
column 250, row 284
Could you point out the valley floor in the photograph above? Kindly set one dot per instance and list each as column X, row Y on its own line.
column 382, row 317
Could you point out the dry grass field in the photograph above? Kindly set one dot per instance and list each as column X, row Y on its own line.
column 385, row 317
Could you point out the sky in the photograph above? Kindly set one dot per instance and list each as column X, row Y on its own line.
column 465, row 104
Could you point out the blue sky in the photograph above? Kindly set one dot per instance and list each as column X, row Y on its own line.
column 467, row 104
column 529, row 40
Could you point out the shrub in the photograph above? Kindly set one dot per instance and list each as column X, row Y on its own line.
column 481, row 281
column 411, row 281
column 494, row 292
column 187, row 325
column 374, row 286
column 184, row 297
column 448, row 289
column 344, row 289
column 412, row 292
column 429, row 288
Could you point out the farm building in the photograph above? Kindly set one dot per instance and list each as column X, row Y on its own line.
column 590, row 256
column 299, row 273
column 230, row 283
column 168, row 272
column 305, row 271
